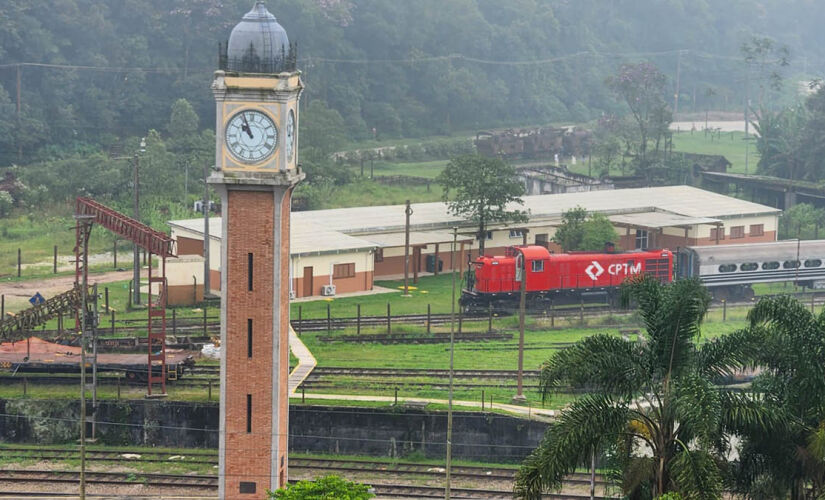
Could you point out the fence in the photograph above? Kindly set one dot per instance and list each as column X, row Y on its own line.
column 62, row 260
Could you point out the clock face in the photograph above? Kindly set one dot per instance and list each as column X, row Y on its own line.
column 251, row 136
column 290, row 135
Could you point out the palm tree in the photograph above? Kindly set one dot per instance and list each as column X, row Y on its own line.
column 652, row 405
column 786, row 457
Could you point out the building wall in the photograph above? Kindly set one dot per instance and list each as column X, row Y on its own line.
column 703, row 234
column 323, row 268
column 392, row 263
column 250, row 229
column 190, row 246
column 184, row 278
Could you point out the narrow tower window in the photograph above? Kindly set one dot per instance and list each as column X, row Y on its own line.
column 249, row 413
column 249, row 338
column 249, row 258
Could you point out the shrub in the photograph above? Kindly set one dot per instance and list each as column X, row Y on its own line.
column 325, row 488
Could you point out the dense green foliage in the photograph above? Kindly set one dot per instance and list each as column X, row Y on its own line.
column 325, row 488
column 802, row 221
column 652, row 406
column 98, row 71
column 785, row 456
column 791, row 141
column 580, row 231
column 482, row 190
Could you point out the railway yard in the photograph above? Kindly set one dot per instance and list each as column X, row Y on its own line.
column 369, row 360
column 152, row 472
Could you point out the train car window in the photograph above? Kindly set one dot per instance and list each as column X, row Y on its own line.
column 790, row 264
column 749, row 266
column 767, row 266
column 813, row 263
column 727, row 268
column 537, row 266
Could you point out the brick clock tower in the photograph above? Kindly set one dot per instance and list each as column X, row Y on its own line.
column 256, row 90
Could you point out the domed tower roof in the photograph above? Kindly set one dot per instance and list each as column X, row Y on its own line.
column 258, row 44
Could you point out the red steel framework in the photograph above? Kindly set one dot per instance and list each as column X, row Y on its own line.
column 154, row 243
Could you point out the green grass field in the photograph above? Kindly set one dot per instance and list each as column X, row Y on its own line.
column 730, row 144
column 433, row 290
column 428, row 169
column 37, row 235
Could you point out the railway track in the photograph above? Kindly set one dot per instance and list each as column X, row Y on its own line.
column 109, row 478
column 193, row 332
column 344, row 467
column 406, row 491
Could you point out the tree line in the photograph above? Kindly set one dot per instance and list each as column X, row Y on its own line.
column 95, row 72
column 655, row 411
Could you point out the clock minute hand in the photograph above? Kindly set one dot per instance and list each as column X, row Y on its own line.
column 245, row 126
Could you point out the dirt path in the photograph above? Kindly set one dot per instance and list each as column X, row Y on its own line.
column 17, row 293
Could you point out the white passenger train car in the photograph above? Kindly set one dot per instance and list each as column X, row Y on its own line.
column 730, row 270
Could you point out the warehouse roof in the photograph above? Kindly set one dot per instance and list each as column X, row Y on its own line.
column 361, row 227
column 416, row 238
column 656, row 220
column 679, row 200
column 305, row 238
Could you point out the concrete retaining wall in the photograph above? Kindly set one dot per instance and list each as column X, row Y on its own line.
column 346, row 430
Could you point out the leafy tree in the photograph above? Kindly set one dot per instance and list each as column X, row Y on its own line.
column 642, row 88
column 325, row 488
column 580, row 231
column 785, row 458
column 323, row 132
column 607, row 147
column 802, row 220
column 6, row 203
column 765, row 60
column 482, row 190
column 183, row 121
column 652, row 405
column 779, row 142
column 812, row 137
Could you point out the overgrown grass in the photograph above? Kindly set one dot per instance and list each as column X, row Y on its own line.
column 36, row 234
column 369, row 193
column 433, row 290
column 730, row 144
column 428, row 169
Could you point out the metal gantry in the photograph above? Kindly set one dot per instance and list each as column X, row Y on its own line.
column 154, row 243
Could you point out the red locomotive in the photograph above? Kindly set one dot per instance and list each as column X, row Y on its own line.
column 558, row 278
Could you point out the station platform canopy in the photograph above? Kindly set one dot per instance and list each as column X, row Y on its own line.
column 417, row 238
column 658, row 220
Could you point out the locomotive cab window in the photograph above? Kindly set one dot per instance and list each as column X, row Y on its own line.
column 768, row 266
column 790, row 264
column 813, row 263
column 749, row 266
column 537, row 266
column 727, row 268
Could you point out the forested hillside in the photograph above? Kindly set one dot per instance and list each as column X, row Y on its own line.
column 95, row 71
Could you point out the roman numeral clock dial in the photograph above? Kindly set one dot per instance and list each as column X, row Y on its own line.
column 251, row 136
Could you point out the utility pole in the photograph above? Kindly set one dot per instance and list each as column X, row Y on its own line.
column 136, row 216
column 678, row 75
column 19, row 127
column 206, row 240
column 450, row 396
column 85, row 226
column 747, row 109
column 522, row 267
column 408, row 212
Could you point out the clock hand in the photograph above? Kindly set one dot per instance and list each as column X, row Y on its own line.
column 245, row 126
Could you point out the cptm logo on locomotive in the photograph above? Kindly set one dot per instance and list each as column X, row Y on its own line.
column 594, row 270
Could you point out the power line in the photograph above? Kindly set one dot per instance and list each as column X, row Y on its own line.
column 407, row 60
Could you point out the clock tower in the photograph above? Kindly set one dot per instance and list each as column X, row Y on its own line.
column 257, row 90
